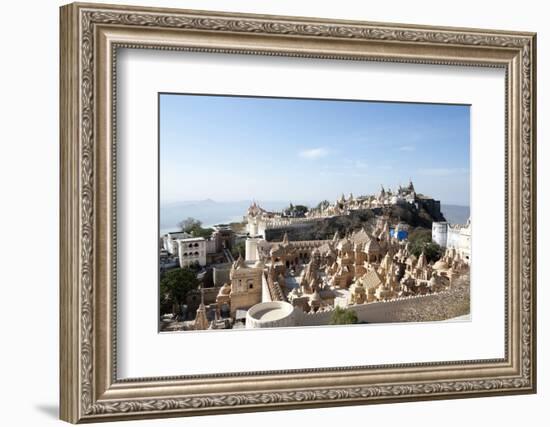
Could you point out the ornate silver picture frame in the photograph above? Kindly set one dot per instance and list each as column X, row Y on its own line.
column 91, row 390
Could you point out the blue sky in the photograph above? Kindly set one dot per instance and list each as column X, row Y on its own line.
column 236, row 148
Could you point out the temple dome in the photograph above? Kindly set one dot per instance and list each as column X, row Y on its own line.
column 259, row 264
column 441, row 265
column 410, row 260
column 344, row 245
column 316, row 296
column 372, row 247
column 225, row 289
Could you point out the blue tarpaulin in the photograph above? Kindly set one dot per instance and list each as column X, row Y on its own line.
column 401, row 234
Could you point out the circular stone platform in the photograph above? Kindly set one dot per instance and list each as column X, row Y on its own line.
column 274, row 314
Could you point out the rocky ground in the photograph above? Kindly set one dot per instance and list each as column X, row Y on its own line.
column 325, row 229
column 451, row 303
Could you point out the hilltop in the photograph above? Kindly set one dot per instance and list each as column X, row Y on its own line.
column 354, row 220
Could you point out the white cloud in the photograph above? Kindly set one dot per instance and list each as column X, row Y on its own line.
column 314, row 153
column 346, row 167
column 443, row 171
column 407, row 148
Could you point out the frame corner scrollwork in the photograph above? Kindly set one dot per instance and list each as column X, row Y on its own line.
column 84, row 389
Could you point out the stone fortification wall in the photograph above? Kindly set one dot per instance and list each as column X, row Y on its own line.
column 408, row 309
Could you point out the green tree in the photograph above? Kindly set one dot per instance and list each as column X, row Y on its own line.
column 194, row 227
column 343, row 316
column 420, row 233
column 297, row 211
column 301, row 210
column 202, row 232
column 189, row 224
column 237, row 227
column 420, row 240
column 174, row 286
column 238, row 249
column 323, row 205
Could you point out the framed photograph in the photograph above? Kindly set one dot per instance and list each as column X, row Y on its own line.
column 267, row 212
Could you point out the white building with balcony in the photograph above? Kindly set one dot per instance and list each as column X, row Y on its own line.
column 192, row 251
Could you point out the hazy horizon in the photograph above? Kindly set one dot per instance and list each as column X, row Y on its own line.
column 211, row 212
column 308, row 203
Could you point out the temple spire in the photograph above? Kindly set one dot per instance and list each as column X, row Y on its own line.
column 201, row 321
column 239, row 262
column 285, row 238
